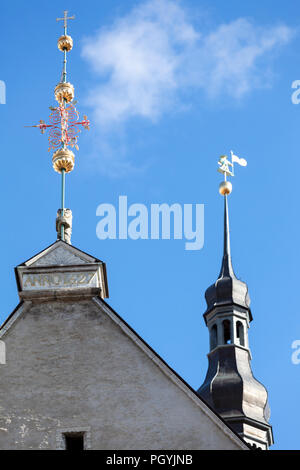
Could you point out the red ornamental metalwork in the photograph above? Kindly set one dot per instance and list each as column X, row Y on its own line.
column 63, row 126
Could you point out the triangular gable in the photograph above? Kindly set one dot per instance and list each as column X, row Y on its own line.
column 159, row 362
column 171, row 373
column 59, row 253
column 59, row 270
column 60, row 256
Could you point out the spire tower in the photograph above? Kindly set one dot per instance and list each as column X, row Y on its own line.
column 229, row 386
column 64, row 128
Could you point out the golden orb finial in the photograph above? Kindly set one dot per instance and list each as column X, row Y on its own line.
column 225, row 188
column 226, row 167
column 63, row 159
column 64, row 91
column 64, row 125
column 65, row 43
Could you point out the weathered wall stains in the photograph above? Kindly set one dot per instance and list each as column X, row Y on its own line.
column 69, row 367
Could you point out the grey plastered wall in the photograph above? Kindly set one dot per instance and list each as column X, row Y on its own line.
column 71, row 367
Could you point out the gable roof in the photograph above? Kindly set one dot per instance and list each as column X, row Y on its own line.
column 152, row 354
column 171, row 373
column 23, row 306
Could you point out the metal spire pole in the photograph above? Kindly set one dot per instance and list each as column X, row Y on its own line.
column 227, row 169
column 63, row 171
column 226, row 268
column 62, row 228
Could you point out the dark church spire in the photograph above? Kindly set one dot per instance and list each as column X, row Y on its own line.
column 230, row 387
column 226, row 268
column 227, row 289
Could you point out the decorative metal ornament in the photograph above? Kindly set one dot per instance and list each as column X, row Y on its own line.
column 63, row 159
column 65, row 43
column 64, row 122
column 64, row 125
column 65, row 19
column 226, row 167
column 225, row 188
column 64, row 92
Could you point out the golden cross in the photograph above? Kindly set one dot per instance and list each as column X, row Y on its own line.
column 65, row 19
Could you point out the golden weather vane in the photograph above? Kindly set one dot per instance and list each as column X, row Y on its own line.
column 64, row 119
column 226, row 167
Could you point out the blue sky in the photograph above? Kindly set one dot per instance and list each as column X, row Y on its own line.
column 224, row 82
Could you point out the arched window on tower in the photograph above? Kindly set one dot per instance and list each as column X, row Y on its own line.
column 226, row 332
column 213, row 337
column 240, row 333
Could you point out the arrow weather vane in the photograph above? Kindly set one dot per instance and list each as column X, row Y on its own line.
column 64, row 120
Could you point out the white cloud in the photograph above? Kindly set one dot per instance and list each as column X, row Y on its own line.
column 148, row 59
column 140, row 56
column 230, row 55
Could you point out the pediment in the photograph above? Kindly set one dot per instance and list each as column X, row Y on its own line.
column 61, row 270
column 58, row 254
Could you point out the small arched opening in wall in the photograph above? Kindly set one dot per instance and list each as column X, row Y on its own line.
column 213, row 336
column 240, row 333
column 227, row 332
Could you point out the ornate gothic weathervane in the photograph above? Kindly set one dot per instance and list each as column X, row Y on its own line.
column 64, row 127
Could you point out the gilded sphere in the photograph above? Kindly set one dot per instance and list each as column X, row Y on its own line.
column 63, row 159
column 65, row 43
column 225, row 188
column 64, row 92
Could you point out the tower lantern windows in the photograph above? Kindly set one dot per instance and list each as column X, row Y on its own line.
column 227, row 332
column 240, row 333
column 213, row 337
